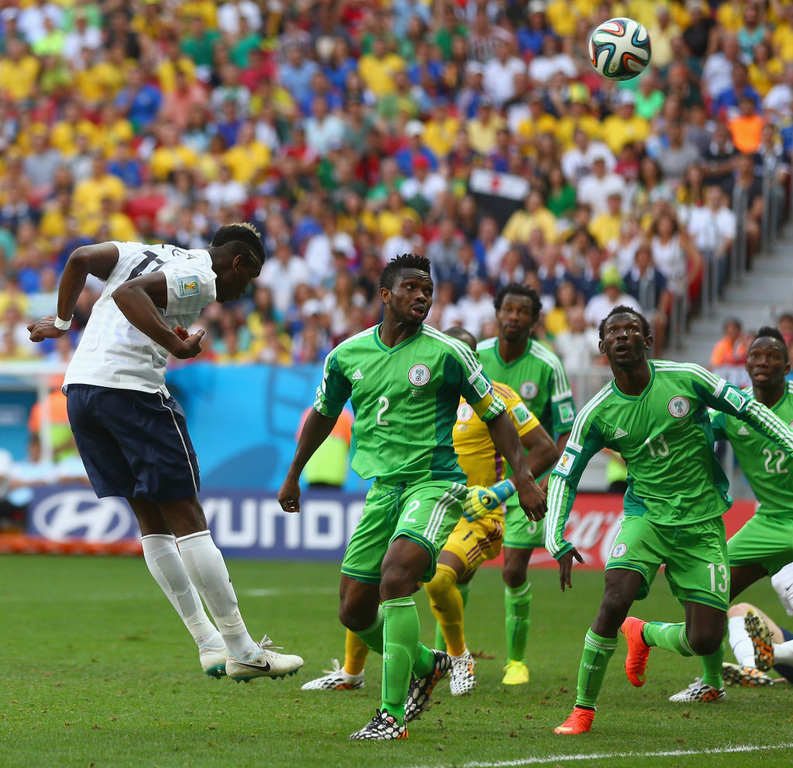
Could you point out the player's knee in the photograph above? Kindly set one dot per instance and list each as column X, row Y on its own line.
column 705, row 641
column 353, row 619
column 444, row 580
column 615, row 605
column 738, row 610
column 514, row 575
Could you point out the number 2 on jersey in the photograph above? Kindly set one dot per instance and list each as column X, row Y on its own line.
column 383, row 408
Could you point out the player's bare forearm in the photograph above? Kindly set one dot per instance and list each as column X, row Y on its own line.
column 96, row 260
column 542, row 451
column 505, row 438
column 315, row 431
column 561, row 442
column 139, row 300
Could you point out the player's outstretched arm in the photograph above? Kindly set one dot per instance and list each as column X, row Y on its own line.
column 505, row 438
column 543, row 453
column 140, row 300
column 315, row 430
column 97, row 260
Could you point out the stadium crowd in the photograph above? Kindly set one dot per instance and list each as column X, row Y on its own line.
column 474, row 132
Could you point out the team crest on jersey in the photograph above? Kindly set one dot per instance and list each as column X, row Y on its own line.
column 419, row 375
column 528, row 390
column 566, row 412
column 464, row 412
column 188, row 286
column 679, row 406
column 619, row 550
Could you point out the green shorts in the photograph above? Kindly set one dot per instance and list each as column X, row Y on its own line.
column 695, row 556
column 519, row 531
column 765, row 540
column 425, row 513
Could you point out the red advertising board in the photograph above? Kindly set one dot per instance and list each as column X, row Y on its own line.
column 594, row 522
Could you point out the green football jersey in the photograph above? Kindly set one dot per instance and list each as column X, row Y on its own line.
column 666, row 439
column 768, row 469
column 405, row 400
column 538, row 376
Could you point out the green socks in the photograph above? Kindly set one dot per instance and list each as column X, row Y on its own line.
column 670, row 637
column 594, row 660
column 400, row 646
column 516, row 603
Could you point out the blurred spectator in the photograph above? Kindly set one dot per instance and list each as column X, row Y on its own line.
column 649, row 287
column 577, row 345
column 732, row 348
column 746, row 127
column 613, row 295
column 594, row 188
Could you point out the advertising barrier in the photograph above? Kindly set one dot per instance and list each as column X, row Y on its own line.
column 249, row 524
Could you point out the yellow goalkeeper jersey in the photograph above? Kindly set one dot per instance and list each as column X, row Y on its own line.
column 476, row 453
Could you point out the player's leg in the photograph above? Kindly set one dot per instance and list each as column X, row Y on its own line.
column 600, row 642
column 347, row 677
column 521, row 537
column 464, row 588
column 165, row 565
column 447, row 606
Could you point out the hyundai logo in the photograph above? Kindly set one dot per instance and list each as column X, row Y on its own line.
column 79, row 514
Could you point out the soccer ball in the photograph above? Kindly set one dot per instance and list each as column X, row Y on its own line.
column 619, row 49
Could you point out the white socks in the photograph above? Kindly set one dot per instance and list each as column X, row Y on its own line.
column 783, row 653
column 207, row 570
column 166, row 566
column 740, row 642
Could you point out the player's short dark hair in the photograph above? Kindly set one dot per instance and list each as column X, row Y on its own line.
column 769, row 332
column 242, row 232
column 459, row 333
column 518, row 290
column 622, row 309
column 405, row 261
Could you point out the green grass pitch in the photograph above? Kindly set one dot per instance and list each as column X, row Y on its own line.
column 99, row 672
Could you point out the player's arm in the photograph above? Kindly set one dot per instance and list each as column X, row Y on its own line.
column 482, row 500
column 140, row 301
column 332, row 394
column 727, row 398
column 316, row 429
column 97, row 260
column 563, row 408
column 542, row 451
column 505, row 438
column 562, row 490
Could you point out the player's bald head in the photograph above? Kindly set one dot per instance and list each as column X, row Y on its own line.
column 459, row 333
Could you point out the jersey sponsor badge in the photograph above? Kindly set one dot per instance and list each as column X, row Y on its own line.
column 679, row 406
column 528, row 390
column 566, row 412
column 735, row 399
column 188, row 286
column 357, row 376
column 743, row 431
column 619, row 550
column 620, row 432
column 419, row 375
column 464, row 412
column 521, row 413
column 565, row 463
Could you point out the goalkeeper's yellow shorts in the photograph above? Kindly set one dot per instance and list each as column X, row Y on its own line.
column 476, row 542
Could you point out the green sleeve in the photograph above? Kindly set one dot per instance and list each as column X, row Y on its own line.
column 718, row 422
column 468, row 377
column 730, row 400
column 563, row 409
column 334, row 390
column 563, row 485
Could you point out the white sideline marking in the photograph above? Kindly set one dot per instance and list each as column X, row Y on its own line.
column 277, row 592
column 614, row 755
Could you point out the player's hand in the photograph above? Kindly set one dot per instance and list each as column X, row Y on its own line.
column 189, row 344
column 44, row 329
column 566, row 568
column 289, row 496
column 482, row 500
column 532, row 500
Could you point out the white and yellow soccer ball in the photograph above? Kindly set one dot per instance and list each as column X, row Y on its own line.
column 619, row 48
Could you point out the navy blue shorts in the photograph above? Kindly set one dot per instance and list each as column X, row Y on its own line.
column 133, row 444
column 784, row 669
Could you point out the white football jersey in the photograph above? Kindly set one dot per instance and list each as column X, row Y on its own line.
column 114, row 353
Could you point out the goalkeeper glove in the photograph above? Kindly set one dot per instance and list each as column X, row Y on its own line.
column 481, row 500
